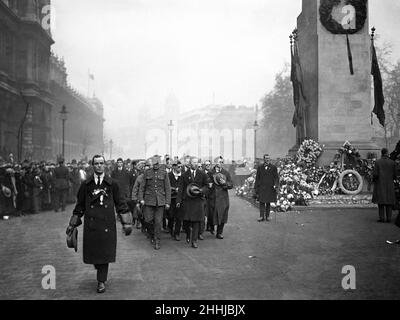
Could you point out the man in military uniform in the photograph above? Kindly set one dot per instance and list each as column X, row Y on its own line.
column 98, row 199
column 155, row 196
column 61, row 186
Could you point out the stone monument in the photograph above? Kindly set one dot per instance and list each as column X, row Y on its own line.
column 334, row 49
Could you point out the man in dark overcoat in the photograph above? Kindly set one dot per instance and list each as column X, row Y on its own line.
column 384, row 196
column 122, row 176
column 210, row 198
column 61, row 185
column 266, row 187
column 193, row 208
column 175, row 214
column 98, row 199
column 221, row 197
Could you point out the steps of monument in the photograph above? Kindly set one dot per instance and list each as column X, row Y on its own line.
column 361, row 201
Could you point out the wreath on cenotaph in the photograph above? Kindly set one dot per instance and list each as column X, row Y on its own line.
column 309, row 152
column 325, row 11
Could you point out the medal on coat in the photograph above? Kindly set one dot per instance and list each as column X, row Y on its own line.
column 99, row 193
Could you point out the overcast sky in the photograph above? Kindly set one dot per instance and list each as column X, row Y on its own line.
column 140, row 51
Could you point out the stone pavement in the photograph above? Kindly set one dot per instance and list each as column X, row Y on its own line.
column 300, row 255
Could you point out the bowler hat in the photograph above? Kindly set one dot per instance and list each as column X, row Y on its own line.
column 72, row 240
column 218, row 177
column 193, row 191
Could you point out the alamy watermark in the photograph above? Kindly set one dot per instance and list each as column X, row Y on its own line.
column 349, row 280
column 49, row 280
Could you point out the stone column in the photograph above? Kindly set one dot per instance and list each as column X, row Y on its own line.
column 340, row 103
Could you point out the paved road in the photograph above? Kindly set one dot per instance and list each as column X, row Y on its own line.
column 298, row 256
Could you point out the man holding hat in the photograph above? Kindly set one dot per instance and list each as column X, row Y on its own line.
column 192, row 197
column 155, row 196
column 98, row 199
column 222, row 183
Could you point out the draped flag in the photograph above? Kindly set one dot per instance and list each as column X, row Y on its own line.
column 378, row 87
column 299, row 97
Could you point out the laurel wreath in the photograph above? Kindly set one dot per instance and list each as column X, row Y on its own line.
column 325, row 11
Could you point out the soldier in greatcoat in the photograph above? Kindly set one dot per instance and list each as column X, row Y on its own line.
column 98, row 199
column 193, row 206
column 222, row 183
column 266, row 187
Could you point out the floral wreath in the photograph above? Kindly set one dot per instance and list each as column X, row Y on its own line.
column 309, row 152
column 325, row 11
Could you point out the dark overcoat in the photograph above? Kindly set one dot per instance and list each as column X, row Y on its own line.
column 384, row 175
column 61, row 178
column 176, row 184
column 210, row 198
column 221, row 196
column 124, row 179
column 193, row 208
column 266, row 180
column 99, row 230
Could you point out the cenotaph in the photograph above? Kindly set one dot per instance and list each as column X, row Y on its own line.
column 334, row 49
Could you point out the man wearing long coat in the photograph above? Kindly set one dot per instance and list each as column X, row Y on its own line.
column 266, row 187
column 384, row 196
column 98, row 199
column 193, row 208
column 221, row 198
column 175, row 214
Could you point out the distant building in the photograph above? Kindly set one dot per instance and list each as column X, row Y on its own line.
column 208, row 132
column 84, row 126
column 33, row 88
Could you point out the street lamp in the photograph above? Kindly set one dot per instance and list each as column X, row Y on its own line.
column 255, row 127
column 64, row 118
column 170, row 128
column 111, row 146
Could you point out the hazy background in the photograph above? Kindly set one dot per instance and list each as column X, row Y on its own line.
column 140, row 51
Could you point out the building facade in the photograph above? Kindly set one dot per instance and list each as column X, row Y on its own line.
column 208, row 132
column 33, row 89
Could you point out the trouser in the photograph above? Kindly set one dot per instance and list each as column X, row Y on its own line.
column 385, row 208
column 202, row 226
column 192, row 228
column 102, row 272
column 60, row 199
column 36, row 200
column 220, row 228
column 210, row 215
column 265, row 209
column 154, row 216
